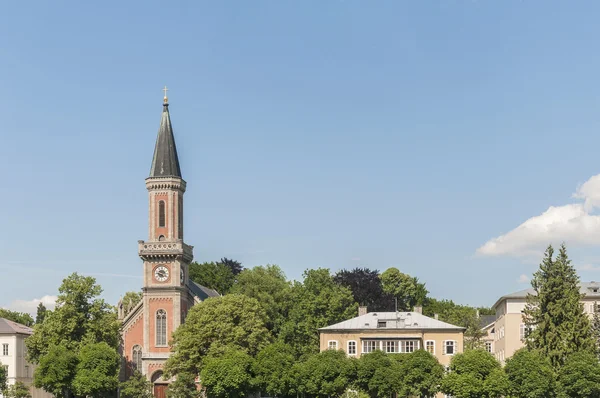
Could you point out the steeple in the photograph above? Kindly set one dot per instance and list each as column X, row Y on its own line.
column 165, row 162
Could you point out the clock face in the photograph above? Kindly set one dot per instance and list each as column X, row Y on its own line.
column 161, row 273
column 182, row 276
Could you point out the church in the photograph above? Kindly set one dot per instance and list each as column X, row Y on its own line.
column 167, row 292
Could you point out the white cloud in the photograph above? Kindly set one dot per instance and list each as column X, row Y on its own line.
column 523, row 278
column 30, row 306
column 572, row 223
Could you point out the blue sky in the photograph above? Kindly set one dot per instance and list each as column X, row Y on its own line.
column 311, row 134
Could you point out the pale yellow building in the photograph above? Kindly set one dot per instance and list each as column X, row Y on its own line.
column 393, row 332
column 508, row 332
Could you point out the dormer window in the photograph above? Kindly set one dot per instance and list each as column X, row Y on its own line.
column 381, row 324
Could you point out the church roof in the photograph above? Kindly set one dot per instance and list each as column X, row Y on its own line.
column 10, row 327
column 202, row 292
column 165, row 162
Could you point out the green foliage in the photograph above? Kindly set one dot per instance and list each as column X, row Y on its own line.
column 19, row 317
column 184, row 387
column 137, row 386
column 97, row 370
column 234, row 266
column 365, row 285
column 269, row 286
column 596, row 327
column 474, row 373
column 579, row 377
column 366, row 367
column 405, row 288
column 554, row 314
column 56, row 371
column 273, row 369
column 40, row 313
column 326, row 374
column 130, row 300
column 80, row 319
column 530, row 375
column 227, row 374
column 3, row 378
column 422, row 375
column 218, row 322
column 316, row 303
column 217, row 276
column 387, row 381
column 17, row 390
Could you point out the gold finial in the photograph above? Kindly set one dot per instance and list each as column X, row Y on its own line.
column 165, row 100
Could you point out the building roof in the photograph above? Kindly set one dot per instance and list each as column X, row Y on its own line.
column 10, row 327
column 202, row 292
column 590, row 289
column 486, row 320
column 165, row 162
column 392, row 321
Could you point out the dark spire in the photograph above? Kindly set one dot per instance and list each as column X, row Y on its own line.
column 165, row 162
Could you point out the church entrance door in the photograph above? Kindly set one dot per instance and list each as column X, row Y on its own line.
column 160, row 390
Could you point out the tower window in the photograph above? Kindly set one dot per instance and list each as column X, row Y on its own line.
column 161, row 328
column 137, row 357
column 161, row 213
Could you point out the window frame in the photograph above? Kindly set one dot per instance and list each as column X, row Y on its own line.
column 365, row 344
column 163, row 332
column 394, row 344
column 162, row 213
column 432, row 352
column 453, row 345
column 136, row 357
column 348, row 347
column 335, row 345
column 5, row 349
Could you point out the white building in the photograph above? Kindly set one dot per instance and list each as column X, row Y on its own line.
column 13, row 355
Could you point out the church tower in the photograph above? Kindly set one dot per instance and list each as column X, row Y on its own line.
column 167, row 292
column 166, row 257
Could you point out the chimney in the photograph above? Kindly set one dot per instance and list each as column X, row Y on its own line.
column 418, row 309
column 436, row 316
column 362, row 310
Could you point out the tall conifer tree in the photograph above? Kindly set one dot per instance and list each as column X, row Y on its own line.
column 554, row 315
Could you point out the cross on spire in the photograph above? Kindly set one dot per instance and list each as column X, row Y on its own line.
column 165, row 98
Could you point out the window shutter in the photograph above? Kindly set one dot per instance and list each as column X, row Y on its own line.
column 445, row 351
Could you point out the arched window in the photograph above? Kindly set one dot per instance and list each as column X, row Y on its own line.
column 161, row 213
column 161, row 328
column 136, row 358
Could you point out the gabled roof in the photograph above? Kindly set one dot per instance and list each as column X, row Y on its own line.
column 485, row 320
column 589, row 289
column 392, row 321
column 202, row 292
column 10, row 327
column 165, row 162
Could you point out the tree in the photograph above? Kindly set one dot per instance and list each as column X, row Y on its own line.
column 129, row 301
column 272, row 368
column 56, row 371
column 137, row 386
column 184, row 387
column 326, row 374
column 407, row 290
column 422, row 375
column 227, row 374
column 366, row 288
column 234, row 266
column 217, row 322
column 19, row 317
column 17, row 390
column 315, row 303
column 97, row 370
column 556, row 320
column 530, row 375
column 269, row 286
column 579, row 377
column 80, row 318
column 472, row 374
column 388, row 381
column 217, row 276
column 3, row 378
column 366, row 368
column 40, row 313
